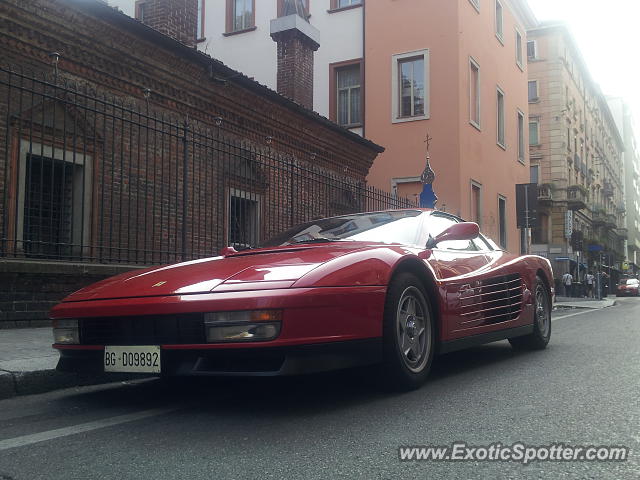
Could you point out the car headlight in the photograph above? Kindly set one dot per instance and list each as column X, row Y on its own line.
column 66, row 332
column 243, row 326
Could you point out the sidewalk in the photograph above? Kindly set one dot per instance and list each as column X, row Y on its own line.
column 27, row 364
column 577, row 302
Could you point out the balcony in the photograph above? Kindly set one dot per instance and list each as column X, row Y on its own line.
column 545, row 193
column 623, row 233
column 611, row 221
column 576, row 197
column 598, row 218
column 607, row 189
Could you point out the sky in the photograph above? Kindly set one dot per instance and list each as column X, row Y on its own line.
column 605, row 33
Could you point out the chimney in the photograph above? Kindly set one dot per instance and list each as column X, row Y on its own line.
column 175, row 18
column 297, row 39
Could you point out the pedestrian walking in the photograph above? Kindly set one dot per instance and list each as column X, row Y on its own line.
column 590, row 279
column 567, row 281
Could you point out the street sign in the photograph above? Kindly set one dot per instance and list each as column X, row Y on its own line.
column 595, row 248
column 526, row 205
column 562, row 259
column 568, row 223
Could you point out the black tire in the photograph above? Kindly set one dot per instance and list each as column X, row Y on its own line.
column 406, row 368
column 539, row 338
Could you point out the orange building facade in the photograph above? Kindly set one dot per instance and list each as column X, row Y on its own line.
column 457, row 71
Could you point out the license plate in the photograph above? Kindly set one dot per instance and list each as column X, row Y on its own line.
column 135, row 359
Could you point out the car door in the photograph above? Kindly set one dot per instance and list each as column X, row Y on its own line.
column 494, row 298
column 455, row 264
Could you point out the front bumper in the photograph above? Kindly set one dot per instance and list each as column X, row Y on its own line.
column 268, row 361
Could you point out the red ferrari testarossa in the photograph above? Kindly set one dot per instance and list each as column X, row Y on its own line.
column 388, row 289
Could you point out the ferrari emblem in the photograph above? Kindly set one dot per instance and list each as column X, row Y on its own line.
column 159, row 284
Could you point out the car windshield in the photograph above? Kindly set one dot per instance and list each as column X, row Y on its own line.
column 401, row 227
column 629, row 281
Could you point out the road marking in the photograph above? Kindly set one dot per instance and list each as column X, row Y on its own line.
column 83, row 427
column 574, row 314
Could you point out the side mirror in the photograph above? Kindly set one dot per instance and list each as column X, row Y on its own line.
column 459, row 231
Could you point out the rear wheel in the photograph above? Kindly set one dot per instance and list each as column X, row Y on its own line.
column 409, row 333
column 539, row 338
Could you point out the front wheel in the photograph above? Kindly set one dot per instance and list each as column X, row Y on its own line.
column 408, row 334
column 539, row 338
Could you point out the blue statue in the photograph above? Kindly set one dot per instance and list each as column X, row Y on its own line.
column 428, row 198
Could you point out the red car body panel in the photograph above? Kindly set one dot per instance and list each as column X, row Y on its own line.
column 331, row 292
column 310, row 315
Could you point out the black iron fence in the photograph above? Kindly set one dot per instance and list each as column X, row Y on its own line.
column 86, row 176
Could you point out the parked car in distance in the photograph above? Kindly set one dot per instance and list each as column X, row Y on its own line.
column 628, row 286
column 387, row 289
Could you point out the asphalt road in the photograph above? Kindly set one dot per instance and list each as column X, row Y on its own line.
column 583, row 390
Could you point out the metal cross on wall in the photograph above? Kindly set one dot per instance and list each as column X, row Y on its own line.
column 428, row 198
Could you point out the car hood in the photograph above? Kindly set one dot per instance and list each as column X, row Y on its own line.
column 276, row 267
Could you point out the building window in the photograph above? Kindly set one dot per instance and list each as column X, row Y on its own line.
column 53, row 201
column 240, row 15
column 534, row 132
column 499, row 21
column 411, row 92
column 532, row 50
column 474, row 93
column 533, row 91
column 521, row 150
column 337, row 4
column 500, row 118
column 141, row 11
column 519, row 49
column 502, row 221
column 411, row 86
column 305, row 6
column 347, row 94
column 244, row 219
column 476, row 203
column 534, row 173
column 200, row 23
column 48, row 216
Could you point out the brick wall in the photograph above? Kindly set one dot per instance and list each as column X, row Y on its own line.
column 106, row 54
column 105, row 48
column 175, row 18
column 28, row 290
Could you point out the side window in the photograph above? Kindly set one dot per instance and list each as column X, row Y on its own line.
column 438, row 223
column 482, row 243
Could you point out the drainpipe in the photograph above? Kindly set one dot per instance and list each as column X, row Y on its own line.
column 364, row 68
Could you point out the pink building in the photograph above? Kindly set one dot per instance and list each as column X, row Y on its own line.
column 458, row 71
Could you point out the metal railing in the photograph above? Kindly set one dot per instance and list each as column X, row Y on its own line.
column 545, row 193
column 86, row 176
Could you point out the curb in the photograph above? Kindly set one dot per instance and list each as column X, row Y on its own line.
column 574, row 306
column 13, row 384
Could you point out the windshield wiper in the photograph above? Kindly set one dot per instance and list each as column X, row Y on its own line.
column 315, row 240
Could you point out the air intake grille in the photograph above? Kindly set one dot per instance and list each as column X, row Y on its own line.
column 494, row 300
column 144, row 330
